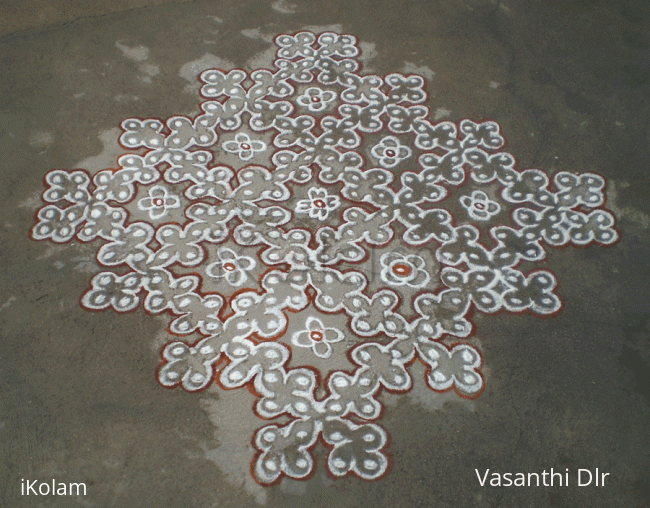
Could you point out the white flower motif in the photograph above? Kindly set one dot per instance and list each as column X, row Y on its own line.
column 479, row 206
column 401, row 270
column 232, row 267
column 158, row 202
column 319, row 204
column 390, row 152
column 317, row 337
column 315, row 99
column 244, row 147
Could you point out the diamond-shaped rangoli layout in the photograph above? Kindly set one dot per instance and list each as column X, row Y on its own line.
column 315, row 233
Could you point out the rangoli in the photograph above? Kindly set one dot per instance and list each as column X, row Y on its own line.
column 315, row 234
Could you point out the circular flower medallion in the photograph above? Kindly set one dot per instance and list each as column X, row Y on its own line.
column 316, row 99
column 318, row 337
column 244, row 147
column 479, row 206
column 158, row 202
column 389, row 152
column 319, row 204
column 231, row 267
column 401, row 270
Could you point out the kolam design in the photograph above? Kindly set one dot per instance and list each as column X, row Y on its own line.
column 312, row 234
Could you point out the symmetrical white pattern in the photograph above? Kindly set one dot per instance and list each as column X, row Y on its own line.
column 479, row 206
column 316, row 140
column 318, row 337
column 400, row 270
column 244, row 146
column 231, row 266
column 319, row 204
column 389, row 152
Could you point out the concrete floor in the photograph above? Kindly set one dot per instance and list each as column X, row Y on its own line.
column 569, row 85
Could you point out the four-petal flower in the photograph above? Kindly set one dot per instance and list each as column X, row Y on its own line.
column 479, row 206
column 244, row 147
column 389, row 152
column 319, row 204
column 158, row 202
column 231, row 266
column 318, row 337
column 400, row 270
column 315, row 99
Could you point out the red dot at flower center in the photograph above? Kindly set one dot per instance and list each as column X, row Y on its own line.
column 245, row 146
column 229, row 266
column 315, row 99
column 159, row 202
column 402, row 269
column 390, row 153
column 319, row 203
column 480, row 206
column 316, row 335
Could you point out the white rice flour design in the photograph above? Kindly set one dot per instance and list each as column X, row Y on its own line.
column 389, row 152
column 231, row 267
column 244, row 316
column 319, row 204
column 400, row 270
column 317, row 337
column 315, row 99
column 479, row 206
column 244, row 147
column 158, row 202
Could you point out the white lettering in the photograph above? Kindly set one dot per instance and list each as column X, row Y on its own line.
column 553, row 475
column 536, row 476
column 602, row 483
column 31, row 487
column 580, row 484
column 28, row 487
column 482, row 482
column 78, row 485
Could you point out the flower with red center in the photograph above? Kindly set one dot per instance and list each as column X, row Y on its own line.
column 479, row 206
column 244, row 147
column 389, row 152
column 315, row 99
column 318, row 337
column 319, row 204
column 401, row 270
column 158, row 202
column 231, row 266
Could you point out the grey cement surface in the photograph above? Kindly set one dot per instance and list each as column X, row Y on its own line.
column 569, row 83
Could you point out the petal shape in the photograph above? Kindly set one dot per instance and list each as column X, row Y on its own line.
column 333, row 335
column 313, row 324
column 302, row 339
column 322, row 349
column 303, row 206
